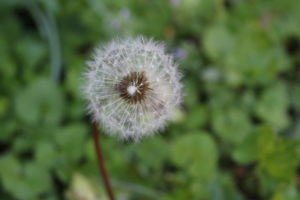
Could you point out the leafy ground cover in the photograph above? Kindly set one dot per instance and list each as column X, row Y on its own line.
column 236, row 138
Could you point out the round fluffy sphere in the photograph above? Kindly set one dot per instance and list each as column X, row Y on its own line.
column 132, row 87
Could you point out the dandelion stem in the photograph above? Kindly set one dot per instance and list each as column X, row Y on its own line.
column 101, row 163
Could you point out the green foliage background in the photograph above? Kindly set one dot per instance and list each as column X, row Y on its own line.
column 236, row 138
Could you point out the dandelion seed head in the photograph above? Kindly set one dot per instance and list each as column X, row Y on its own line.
column 132, row 87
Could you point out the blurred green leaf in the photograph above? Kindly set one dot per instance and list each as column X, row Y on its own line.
column 38, row 179
column 246, row 152
column 287, row 192
column 200, row 160
column 4, row 104
column 196, row 118
column 24, row 182
column 280, row 157
column 272, row 106
column 145, row 154
column 41, row 102
column 71, row 140
column 218, row 42
column 295, row 97
column 31, row 51
column 46, row 154
column 232, row 125
column 196, row 154
column 229, row 190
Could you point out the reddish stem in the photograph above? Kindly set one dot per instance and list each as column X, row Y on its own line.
column 101, row 163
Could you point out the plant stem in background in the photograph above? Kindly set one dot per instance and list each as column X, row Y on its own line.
column 48, row 29
column 101, row 162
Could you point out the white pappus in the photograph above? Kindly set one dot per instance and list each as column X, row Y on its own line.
column 132, row 87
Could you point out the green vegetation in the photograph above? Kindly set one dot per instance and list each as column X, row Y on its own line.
column 236, row 138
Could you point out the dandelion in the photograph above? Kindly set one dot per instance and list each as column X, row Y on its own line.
column 132, row 87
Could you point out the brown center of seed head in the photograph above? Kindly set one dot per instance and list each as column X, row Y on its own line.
column 133, row 88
